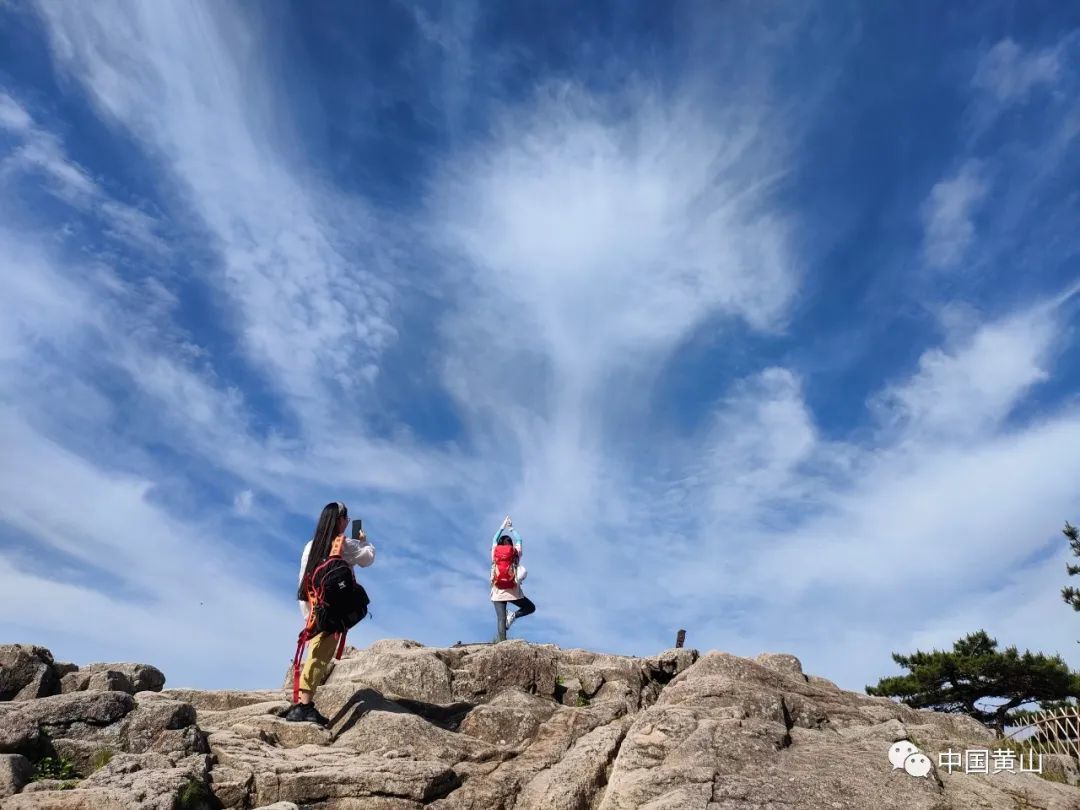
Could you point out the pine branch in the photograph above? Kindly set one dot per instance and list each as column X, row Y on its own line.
column 1071, row 597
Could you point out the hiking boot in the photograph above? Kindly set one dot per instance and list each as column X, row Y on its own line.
column 306, row 713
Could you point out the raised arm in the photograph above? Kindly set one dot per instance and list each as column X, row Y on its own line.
column 513, row 536
column 358, row 552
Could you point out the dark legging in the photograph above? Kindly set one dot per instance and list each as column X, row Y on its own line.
column 524, row 607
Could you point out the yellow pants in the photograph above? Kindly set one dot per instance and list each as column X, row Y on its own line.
column 321, row 651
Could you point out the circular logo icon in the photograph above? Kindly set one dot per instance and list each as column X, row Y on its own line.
column 900, row 751
column 917, row 764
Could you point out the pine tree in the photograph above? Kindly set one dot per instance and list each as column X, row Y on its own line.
column 975, row 671
column 1069, row 594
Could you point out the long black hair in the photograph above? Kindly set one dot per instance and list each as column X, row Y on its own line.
column 321, row 541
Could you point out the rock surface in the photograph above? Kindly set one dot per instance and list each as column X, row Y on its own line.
column 15, row 773
column 130, row 678
column 26, row 672
column 511, row 726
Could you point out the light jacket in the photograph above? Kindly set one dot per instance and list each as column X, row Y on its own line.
column 508, row 594
column 354, row 552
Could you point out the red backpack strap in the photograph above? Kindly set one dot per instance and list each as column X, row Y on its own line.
column 298, row 659
column 314, row 594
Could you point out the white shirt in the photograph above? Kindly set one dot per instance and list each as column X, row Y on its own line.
column 354, row 552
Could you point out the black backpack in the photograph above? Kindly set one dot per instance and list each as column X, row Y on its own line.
column 339, row 601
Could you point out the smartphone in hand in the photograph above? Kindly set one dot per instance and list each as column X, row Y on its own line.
column 356, row 529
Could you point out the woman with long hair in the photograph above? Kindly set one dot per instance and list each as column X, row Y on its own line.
column 321, row 648
column 507, row 574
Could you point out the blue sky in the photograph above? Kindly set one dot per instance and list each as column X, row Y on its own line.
column 760, row 319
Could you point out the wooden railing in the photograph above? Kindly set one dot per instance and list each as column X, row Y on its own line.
column 1055, row 732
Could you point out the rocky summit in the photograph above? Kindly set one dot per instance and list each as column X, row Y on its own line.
column 511, row 726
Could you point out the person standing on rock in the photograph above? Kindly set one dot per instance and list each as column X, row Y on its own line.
column 507, row 574
column 329, row 533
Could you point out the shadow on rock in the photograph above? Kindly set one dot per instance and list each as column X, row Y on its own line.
column 360, row 703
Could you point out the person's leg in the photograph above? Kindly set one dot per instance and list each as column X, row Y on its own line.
column 321, row 651
column 500, row 619
column 524, row 607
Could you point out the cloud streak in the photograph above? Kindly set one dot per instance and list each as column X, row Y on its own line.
column 1009, row 73
column 41, row 152
column 947, row 215
column 313, row 320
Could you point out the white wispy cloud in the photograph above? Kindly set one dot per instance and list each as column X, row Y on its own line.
column 590, row 244
column 43, row 152
column 753, row 455
column 243, row 501
column 313, row 319
column 970, row 389
column 947, row 215
column 305, row 272
column 1009, row 73
column 450, row 32
column 12, row 115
